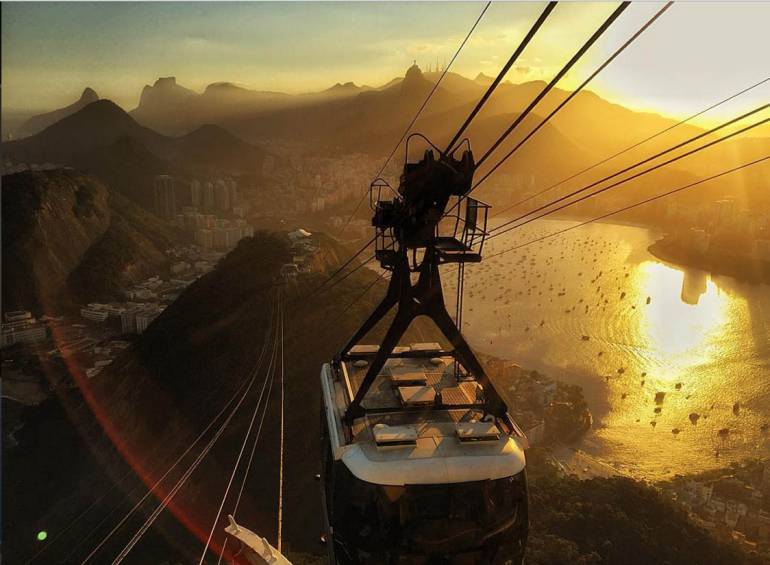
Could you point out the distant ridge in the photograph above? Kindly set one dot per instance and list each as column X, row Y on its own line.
column 103, row 123
column 348, row 118
column 346, row 88
column 481, row 78
column 41, row 121
column 98, row 124
column 105, row 140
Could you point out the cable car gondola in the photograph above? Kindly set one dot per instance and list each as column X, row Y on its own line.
column 421, row 461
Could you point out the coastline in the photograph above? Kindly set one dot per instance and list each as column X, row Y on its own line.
column 572, row 460
column 657, row 230
column 737, row 267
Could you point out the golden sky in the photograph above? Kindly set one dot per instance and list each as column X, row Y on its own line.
column 697, row 53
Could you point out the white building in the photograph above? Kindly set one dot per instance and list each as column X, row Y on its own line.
column 128, row 319
column 196, row 193
column 208, row 196
column 33, row 332
column 141, row 294
column 145, row 317
column 95, row 312
column 222, row 195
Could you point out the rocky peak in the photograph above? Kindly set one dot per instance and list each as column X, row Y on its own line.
column 165, row 82
column 89, row 95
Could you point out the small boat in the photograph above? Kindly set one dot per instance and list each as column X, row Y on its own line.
column 659, row 397
column 585, row 337
column 649, row 300
column 724, row 432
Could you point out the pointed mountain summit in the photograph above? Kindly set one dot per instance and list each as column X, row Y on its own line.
column 41, row 121
column 89, row 95
column 414, row 82
column 481, row 78
column 345, row 89
column 98, row 124
column 102, row 124
column 103, row 139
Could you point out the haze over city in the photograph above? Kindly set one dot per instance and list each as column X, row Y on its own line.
column 364, row 283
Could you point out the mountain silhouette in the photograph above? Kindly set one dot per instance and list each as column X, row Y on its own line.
column 346, row 89
column 105, row 140
column 98, row 124
column 163, row 96
column 481, row 78
column 103, row 123
column 171, row 108
column 41, row 121
column 350, row 119
column 414, row 82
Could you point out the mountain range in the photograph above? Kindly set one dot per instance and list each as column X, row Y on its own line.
column 171, row 108
column 103, row 139
column 41, row 121
column 225, row 127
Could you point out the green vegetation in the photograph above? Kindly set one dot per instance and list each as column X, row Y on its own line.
column 748, row 471
column 533, row 397
column 85, row 200
column 615, row 520
column 130, row 250
column 69, row 239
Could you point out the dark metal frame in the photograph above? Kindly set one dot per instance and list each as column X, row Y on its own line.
column 405, row 253
column 470, row 223
column 424, row 298
column 376, row 186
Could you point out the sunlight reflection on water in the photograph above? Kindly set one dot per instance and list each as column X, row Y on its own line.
column 678, row 331
column 593, row 307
